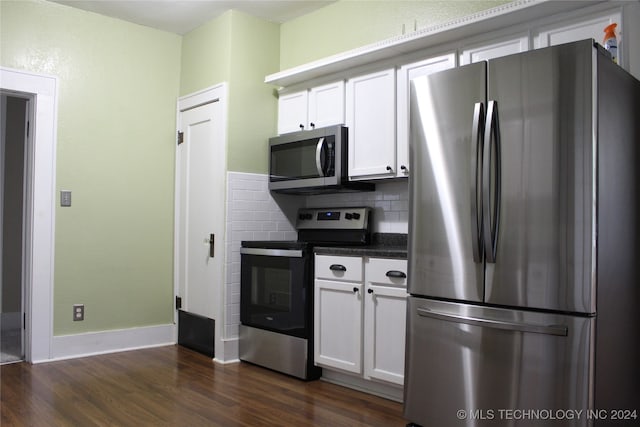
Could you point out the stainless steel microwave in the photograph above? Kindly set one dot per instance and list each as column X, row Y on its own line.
column 311, row 162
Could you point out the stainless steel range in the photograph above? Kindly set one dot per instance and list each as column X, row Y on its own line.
column 276, row 289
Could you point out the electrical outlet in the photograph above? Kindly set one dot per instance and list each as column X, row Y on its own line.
column 78, row 312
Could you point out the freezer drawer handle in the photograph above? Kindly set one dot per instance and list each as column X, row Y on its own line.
column 396, row 274
column 559, row 330
column 337, row 267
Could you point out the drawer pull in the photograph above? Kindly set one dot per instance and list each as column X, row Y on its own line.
column 355, row 290
column 396, row 274
column 337, row 267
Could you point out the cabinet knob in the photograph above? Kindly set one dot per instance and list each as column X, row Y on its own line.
column 404, row 168
column 301, row 126
column 389, row 168
column 313, row 125
column 369, row 291
column 355, row 290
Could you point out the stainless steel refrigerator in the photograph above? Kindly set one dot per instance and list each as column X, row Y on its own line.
column 524, row 242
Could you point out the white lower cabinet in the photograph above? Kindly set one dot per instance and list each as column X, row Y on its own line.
column 385, row 309
column 360, row 316
column 338, row 325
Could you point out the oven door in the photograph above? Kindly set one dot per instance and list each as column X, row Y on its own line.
column 274, row 290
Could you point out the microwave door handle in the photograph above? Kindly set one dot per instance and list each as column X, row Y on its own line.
column 319, row 157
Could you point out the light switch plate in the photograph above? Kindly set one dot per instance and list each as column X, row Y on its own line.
column 65, row 198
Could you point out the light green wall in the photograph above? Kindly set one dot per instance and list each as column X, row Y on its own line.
column 118, row 85
column 349, row 24
column 253, row 104
column 238, row 49
column 205, row 55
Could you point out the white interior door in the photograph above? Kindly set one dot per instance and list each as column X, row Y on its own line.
column 200, row 209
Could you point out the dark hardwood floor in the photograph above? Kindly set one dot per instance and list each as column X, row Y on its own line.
column 173, row 386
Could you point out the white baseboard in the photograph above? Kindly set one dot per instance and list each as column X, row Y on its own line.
column 228, row 353
column 94, row 343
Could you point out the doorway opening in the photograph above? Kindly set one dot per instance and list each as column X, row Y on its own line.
column 14, row 134
column 38, row 222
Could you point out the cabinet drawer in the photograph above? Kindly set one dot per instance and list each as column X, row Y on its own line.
column 339, row 268
column 386, row 271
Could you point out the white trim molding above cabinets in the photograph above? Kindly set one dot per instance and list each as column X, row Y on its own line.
column 312, row 108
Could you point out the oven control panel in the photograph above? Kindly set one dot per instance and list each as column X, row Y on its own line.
column 334, row 218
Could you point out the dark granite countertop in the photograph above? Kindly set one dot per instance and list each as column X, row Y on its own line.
column 383, row 245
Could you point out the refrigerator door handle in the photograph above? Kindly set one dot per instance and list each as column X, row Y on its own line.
column 559, row 330
column 491, row 183
column 477, row 148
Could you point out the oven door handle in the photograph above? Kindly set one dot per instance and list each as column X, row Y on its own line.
column 290, row 253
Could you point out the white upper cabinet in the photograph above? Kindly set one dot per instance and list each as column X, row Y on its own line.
column 494, row 49
column 326, row 105
column 371, row 119
column 578, row 29
column 292, row 112
column 405, row 74
column 314, row 108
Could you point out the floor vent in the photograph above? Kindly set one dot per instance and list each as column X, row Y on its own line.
column 196, row 332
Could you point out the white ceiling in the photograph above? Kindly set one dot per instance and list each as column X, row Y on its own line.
column 182, row 16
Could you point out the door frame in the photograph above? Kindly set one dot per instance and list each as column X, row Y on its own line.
column 40, row 206
column 217, row 93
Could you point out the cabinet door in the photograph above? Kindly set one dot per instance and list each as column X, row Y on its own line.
column 371, row 118
column 586, row 28
column 384, row 333
column 385, row 319
column 292, row 112
column 495, row 49
column 326, row 105
column 338, row 325
column 405, row 74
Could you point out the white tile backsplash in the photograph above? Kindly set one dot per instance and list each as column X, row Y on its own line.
column 253, row 213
